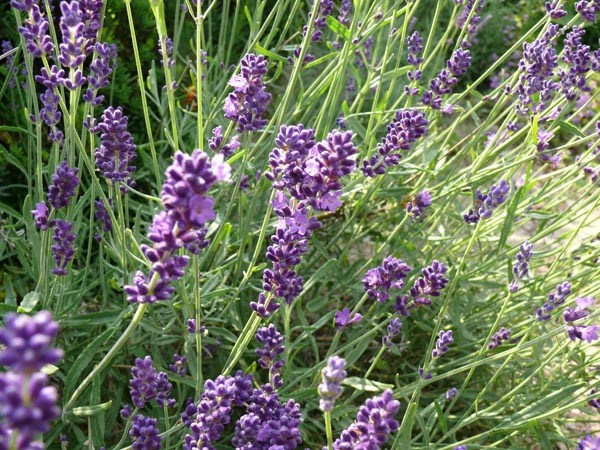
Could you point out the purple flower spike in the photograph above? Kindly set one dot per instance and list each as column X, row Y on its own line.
column 27, row 342
column 343, row 319
column 408, row 126
column 521, row 265
column 64, row 183
column 145, row 434
column 178, row 366
column 420, row 203
column 116, row 153
column 72, row 50
column 450, row 394
column 332, row 377
column 555, row 299
column 373, row 425
column 102, row 216
column 443, row 83
column 35, row 29
column 555, row 10
column 485, row 204
column 583, row 333
column 587, row 9
column 377, row 282
column 269, row 354
column 100, row 70
column 146, row 384
column 344, row 12
column 63, row 249
column 246, row 105
column 442, row 345
column 393, row 330
column 430, row 284
column 499, row 337
column 40, row 216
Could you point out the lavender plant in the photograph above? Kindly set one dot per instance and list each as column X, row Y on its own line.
column 225, row 277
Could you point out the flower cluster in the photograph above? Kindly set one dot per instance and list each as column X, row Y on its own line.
column 305, row 174
column 186, row 210
column 393, row 330
column 216, row 143
column 535, row 86
column 442, row 344
column 450, row 394
column 499, row 337
column 589, row 442
column 442, row 84
column 178, row 366
column 145, row 434
column 377, row 282
column 64, row 182
column 587, row 9
column 100, row 70
column 408, row 126
column 583, row 333
column 72, row 49
column 521, row 265
column 555, row 299
column 419, row 204
column 344, row 12
column 146, row 384
column 268, row 423
column 116, row 153
column 27, row 402
column 214, row 409
column 102, row 216
column 430, row 284
column 415, row 58
column 555, row 9
column 50, row 100
column 485, row 204
column 35, row 29
column 63, row 249
column 474, row 24
column 332, row 376
column 249, row 100
column 578, row 60
column 269, row 354
column 344, row 319
column 373, row 425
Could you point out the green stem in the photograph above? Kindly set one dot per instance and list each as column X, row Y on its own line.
column 328, row 431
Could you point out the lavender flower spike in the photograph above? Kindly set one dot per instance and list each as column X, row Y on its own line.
column 145, row 434
column 64, row 183
column 116, row 153
column 377, row 282
column 373, row 425
column 442, row 344
column 332, row 376
column 420, row 203
column 393, row 330
column 63, row 249
column 521, row 265
column 430, row 284
column 485, row 204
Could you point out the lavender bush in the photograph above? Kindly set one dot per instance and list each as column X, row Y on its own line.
column 309, row 224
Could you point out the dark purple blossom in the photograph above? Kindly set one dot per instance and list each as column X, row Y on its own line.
column 169, row 51
column 415, row 58
column 474, row 24
column 145, row 434
column 442, row 84
column 408, row 126
column 63, row 249
column 379, row 281
column 442, row 344
column 332, row 377
column 587, row 333
column 373, row 425
column 485, row 204
column 588, row 9
column 147, row 384
column 343, row 319
column 35, row 29
column 577, row 58
column 430, row 284
column 344, row 12
column 91, row 17
column 216, row 143
column 521, row 265
column 246, row 105
column 214, row 409
column 419, row 204
column 116, row 153
column 72, row 49
column 555, row 299
column 40, row 216
column 535, row 86
column 27, row 342
column 268, row 423
column 270, row 353
column 125, row 412
column 64, row 182
column 100, row 70
column 555, row 9
column 393, row 330
column 499, row 337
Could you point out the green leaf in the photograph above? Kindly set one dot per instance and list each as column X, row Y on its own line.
column 270, row 54
column 570, row 128
column 9, row 291
column 87, row 411
column 84, row 359
column 510, row 218
column 29, row 302
column 339, row 29
column 361, row 384
column 441, row 417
